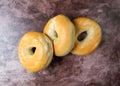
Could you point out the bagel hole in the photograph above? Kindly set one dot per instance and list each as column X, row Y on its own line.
column 33, row 49
column 82, row 36
column 56, row 35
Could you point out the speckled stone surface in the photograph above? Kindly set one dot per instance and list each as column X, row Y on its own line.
column 100, row 68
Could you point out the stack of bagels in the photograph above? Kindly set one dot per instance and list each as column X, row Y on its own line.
column 59, row 38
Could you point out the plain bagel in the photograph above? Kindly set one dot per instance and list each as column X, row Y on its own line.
column 62, row 33
column 35, row 51
column 92, row 39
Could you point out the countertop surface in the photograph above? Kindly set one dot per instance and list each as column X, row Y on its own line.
column 100, row 68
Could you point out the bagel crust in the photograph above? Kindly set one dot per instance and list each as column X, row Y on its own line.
column 93, row 38
column 35, row 51
column 62, row 32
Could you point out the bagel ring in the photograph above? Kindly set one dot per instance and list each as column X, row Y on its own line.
column 62, row 32
column 35, row 51
column 92, row 39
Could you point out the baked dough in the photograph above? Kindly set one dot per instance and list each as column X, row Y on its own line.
column 62, row 33
column 92, row 39
column 35, row 51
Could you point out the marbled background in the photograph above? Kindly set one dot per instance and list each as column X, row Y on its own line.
column 100, row 68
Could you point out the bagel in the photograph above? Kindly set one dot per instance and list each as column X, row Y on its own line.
column 92, row 39
column 35, row 51
column 62, row 33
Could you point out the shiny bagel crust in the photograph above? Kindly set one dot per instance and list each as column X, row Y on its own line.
column 62, row 33
column 93, row 38
column 42, row 55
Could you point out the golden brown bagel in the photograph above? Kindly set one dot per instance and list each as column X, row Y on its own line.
column 35, row 51
column 93, row 38
column 62, row 32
